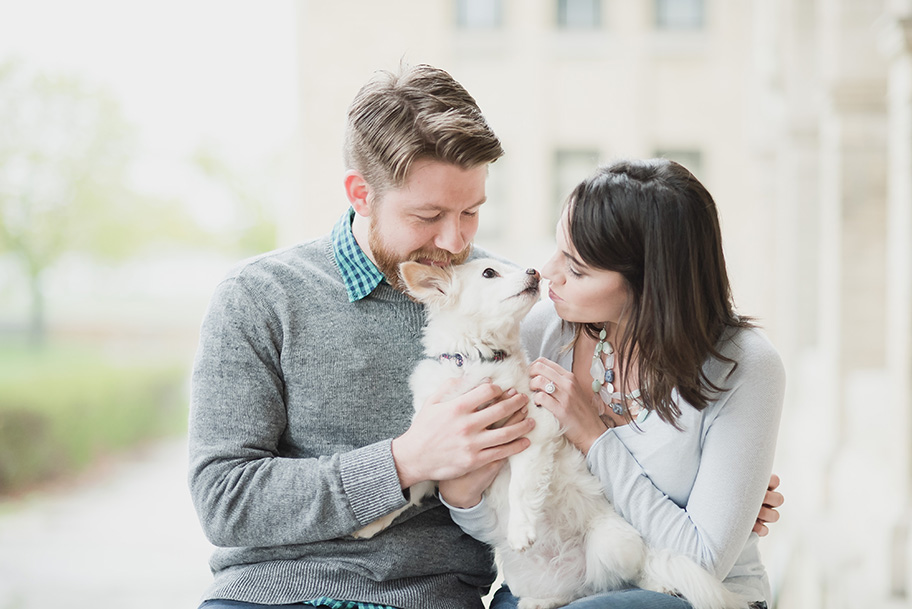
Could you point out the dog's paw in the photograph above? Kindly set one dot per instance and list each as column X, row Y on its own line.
column 521, row 536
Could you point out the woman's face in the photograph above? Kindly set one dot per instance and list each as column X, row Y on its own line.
column 583, row 294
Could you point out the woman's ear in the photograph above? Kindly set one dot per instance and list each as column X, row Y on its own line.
column 357, row 190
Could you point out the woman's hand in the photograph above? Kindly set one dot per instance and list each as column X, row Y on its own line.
column 570, row 403
column 768, row 513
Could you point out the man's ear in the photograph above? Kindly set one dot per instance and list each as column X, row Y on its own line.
column 357, row 190
column 428, row 284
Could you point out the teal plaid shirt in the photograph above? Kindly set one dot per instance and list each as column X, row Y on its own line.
column 334, row 604
column 361, row 276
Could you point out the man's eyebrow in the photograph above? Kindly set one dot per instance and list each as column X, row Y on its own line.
column 436, row 207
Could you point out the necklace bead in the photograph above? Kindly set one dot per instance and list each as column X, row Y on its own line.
column 603, row 382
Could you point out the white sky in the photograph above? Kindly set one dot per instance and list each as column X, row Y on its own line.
column 185, row 71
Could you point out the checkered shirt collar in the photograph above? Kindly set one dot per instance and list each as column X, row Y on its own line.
column 360, row 275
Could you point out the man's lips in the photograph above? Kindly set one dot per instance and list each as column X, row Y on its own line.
column 430, row 262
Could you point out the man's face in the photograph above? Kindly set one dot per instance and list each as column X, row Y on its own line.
column 431, row 219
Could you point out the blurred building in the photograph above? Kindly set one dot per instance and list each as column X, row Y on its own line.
column 796, row 114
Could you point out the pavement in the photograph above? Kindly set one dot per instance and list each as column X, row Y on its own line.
column 124, row 536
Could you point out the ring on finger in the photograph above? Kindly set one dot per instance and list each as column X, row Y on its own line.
column 550, row 388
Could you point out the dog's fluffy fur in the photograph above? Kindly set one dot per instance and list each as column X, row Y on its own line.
column 558, row 538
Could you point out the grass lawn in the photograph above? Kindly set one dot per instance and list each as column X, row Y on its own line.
column 62, row 406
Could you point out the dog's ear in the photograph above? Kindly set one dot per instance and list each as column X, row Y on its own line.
column 425, row 283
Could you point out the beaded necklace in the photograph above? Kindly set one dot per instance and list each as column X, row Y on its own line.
column 603, row 383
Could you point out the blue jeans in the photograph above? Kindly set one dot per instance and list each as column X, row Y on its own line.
column 631, row 598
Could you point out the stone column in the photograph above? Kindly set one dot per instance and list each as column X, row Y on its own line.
column 853, row 326
column 896, row 45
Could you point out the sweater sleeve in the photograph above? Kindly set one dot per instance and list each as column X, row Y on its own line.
column 245, row 491
column 735, row 464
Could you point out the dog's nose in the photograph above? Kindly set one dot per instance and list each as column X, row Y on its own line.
column 534, row 273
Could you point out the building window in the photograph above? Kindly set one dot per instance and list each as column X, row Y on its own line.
column 679, row 14
column 570, row 168
column 691, row 159
column 579, row 14
column 479, row 14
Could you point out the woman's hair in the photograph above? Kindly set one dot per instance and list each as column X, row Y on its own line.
column 654, row 223
column 419, row 113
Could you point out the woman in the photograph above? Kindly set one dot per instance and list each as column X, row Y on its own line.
column 673, row 397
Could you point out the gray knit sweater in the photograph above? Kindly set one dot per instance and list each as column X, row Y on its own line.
column 296, row 395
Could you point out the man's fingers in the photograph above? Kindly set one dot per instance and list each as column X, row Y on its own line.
column 484, row 393
column 517, row 416
column 480, row 396
column 502, row 409
column 773, row 499
column 505, row 451
column 507, row 433
column 774, row 482
column 768, row 515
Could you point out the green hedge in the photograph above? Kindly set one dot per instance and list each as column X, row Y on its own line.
column 62, row 407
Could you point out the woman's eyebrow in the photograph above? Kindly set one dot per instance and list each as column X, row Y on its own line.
column 572, row 258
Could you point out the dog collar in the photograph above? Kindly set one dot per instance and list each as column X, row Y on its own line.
column 459, row 359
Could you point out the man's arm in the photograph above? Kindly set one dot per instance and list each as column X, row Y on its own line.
column 245, row 492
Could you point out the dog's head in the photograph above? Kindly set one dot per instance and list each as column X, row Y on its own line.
column 484, row 298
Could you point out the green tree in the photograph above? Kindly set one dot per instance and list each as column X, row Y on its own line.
column 65, row 156
column 249, row 198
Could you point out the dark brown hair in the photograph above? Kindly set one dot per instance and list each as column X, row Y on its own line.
column 419, row 113
column 654, row 223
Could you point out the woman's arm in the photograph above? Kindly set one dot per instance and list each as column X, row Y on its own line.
column 733, row 476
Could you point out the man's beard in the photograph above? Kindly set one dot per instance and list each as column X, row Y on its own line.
column 388, row 261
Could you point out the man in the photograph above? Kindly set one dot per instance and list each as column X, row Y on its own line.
column 301, row 426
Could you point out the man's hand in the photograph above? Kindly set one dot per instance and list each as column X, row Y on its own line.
column 768, row 514
column 450, row 439
column 465, row 491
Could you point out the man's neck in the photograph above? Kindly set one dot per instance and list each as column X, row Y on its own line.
column 360, row 230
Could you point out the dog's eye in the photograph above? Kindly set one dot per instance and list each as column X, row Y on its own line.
column 490, row 274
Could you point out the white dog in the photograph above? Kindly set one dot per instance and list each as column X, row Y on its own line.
column 558, row 537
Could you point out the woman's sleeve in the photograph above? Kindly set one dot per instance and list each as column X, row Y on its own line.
column 540, row 331
column 734, row 470
column 479, row 521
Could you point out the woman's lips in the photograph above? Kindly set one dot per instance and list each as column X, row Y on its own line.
column 552, row 295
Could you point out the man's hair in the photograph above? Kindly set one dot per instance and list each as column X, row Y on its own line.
column 419, row 113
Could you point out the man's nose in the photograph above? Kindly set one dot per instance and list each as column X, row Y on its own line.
column 451, row 237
